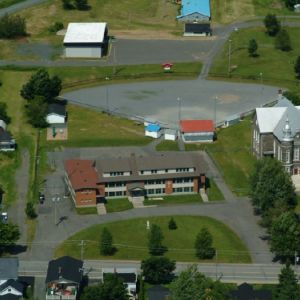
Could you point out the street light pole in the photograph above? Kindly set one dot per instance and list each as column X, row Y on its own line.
column 261, row 82
column 107, row 96
column 229, row 58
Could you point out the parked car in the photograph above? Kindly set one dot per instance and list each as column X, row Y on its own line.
column 41, row 197
column 4, row 217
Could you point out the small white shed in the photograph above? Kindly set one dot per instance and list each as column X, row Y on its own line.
column 86, row 40
column 56, row 114
column 170, row 135
column 153, row 130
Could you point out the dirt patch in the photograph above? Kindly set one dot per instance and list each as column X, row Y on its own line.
column 130, row 130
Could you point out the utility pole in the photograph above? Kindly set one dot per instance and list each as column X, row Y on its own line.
column 82, row 244
column 229, row 58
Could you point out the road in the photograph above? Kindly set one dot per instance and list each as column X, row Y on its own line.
column 19, row 6
column 235, row 273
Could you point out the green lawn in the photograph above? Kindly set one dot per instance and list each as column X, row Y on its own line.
column 277, row 67
column 167, row 146
column 232, row 154
column 213, row 192
column 120, row 204
column 130, row 239
column 86, row 210
column 174, row 199
column 90, row 128
column 227, row 11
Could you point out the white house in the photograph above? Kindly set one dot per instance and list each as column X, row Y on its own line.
column 86, row 40
column 197, row 130
column 170, row 135
column 56, row 114
column 153, row 130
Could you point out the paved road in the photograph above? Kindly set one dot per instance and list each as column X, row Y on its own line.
column 158, row 100
column 19, row 6
column 236, row 273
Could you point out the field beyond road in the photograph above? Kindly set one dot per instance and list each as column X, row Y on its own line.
column 130, row 239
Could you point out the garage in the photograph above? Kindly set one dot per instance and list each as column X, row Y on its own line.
column 197, row 29
column 86, row 40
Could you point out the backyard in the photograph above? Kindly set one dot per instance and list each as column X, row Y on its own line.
column 232, row 154
column 271, row 66
column 130, row 239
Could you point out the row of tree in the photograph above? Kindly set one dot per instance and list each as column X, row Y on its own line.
column 203, row 243
column 189, row 285
column 12, row 27
column 274, row 198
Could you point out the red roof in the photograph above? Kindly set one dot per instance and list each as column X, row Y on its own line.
column 197, row 126
column 82, row 173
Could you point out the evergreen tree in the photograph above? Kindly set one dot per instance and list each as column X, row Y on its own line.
column 297, row 67
column 106, row 242
column 67, row 4
column 155, row 239
column 36, row 111
column 283, row 41
column 12, row 27
column 203, row 244
column 272, row 24
column 81, row 4
column 30, row 211
column 288, row 288
column 9, row 234
column 252, row 48
column 172, row 224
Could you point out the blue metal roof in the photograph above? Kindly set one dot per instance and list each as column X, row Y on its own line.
column 195, row 6
column 153, row 127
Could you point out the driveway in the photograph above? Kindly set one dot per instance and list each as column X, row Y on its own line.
column 199, row 99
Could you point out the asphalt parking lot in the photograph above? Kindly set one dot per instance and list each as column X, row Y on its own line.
column 199, row 99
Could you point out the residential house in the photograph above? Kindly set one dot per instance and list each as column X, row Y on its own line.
column 245, row 291
column 276, row 133
column 91, row 181
column 64, row 276
column 128, row 276
column 88, row 40
column 56, row 113
column 170, row 134
column 7, row 143
column 10, row 287
column 153, row 130
column 197, row 131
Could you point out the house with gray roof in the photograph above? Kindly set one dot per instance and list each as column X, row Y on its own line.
column 276, row 133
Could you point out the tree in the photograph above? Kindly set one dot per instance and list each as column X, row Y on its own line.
column 252, row 48
column 283, row 41
column 294, row 97
column 106, row 242
column 272, row 24
column 67, row 4
column 290, row 3
column 36, row 111
column 271, row 191
column 288, row 285
column 30, row 211
column 112, row 288
column 3, row 114
column 82, row 4
column 155, row 239
column 158, row 270
column 9, row 234
column 285, row 235
column 172, row 224
column 297, row 67
column 203, row 244
column 40, row 84
column 12, row 26
column 192, row 285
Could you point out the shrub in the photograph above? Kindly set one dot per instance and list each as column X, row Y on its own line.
column 172, row 224
column 12, row 27
column 56, row 27
column 30, row 211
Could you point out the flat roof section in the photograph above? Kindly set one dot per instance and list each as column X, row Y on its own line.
column 85, row 33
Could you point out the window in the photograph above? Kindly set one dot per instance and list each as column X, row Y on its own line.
column 186, row 189
column 150, row 191
column 116, row 173
column 153, row 171
column 296, row 153
column 142, row 172
column 180, row 170
column 111, row 194
column 119, row 193
column 166, row 170
column 158, row 191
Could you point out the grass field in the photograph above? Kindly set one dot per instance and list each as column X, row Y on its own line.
column 227, row 11
column 231, row 153
column 90, row 128
column 277, row 67
column 86, row 210
column 167, row 146
column 120, row 204
column 174, row 199
column 130, row 239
